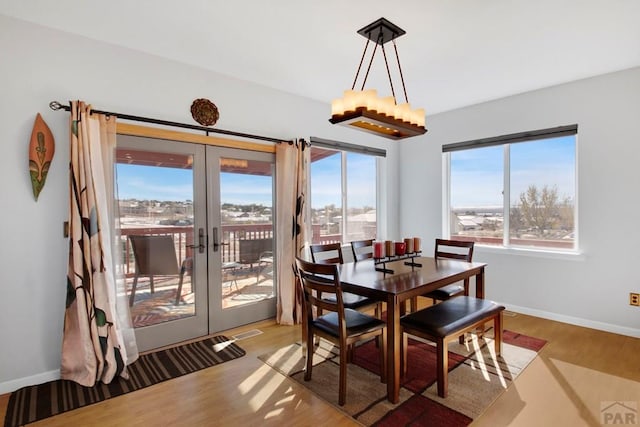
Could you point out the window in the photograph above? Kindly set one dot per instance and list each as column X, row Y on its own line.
column 343, row 186
column 515, row 190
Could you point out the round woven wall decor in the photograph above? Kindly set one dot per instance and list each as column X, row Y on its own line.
column 204, row 112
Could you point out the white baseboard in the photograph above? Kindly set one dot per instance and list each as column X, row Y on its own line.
column 607, row 327
column 13, row 385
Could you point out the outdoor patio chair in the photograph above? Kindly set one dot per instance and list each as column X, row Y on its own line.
column 156, row 256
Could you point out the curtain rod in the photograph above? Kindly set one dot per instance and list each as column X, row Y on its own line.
column 55, row 105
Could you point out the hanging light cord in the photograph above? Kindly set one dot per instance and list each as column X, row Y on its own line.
column 386, row 63
column 393, row 92
column 360, row 66
column 406, row 98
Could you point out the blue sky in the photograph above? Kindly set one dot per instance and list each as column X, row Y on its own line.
column 154, row 183
column 246, row 189
column 477, row 175
column 361, row 181
column 172, row 184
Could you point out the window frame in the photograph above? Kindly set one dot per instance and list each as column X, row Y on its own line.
column 506, row 141
column 344, row 148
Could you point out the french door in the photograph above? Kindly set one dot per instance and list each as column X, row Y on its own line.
column 197, row 237
column 241, row 189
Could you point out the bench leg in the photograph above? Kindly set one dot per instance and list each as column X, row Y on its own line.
column 443, row 367
column 461, row 339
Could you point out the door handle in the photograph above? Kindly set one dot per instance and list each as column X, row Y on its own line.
column 201, row 246
column 216, row 245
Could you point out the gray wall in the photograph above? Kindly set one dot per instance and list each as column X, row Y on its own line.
column 591, row 289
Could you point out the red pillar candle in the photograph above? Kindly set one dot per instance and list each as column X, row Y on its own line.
column 378, row 249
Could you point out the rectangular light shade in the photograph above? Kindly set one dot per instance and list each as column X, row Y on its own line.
column 378, row 124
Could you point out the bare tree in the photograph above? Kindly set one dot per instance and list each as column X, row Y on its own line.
column 539, row 209
column 566, row 211
column 516, row 222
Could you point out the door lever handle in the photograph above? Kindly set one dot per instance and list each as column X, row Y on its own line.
column 216, row 244
column 201, row 246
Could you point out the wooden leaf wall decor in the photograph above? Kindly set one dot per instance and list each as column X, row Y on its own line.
column 41, row 149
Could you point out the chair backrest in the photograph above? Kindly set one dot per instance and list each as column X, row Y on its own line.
column 326, row 253
column 154, row 255
column 319, row 283
column 454, row 249
column 252, row 249
column 362, row 249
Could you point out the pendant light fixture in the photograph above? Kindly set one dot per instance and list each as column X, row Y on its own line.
column 364, row 109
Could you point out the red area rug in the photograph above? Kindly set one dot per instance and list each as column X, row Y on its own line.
column 476, row 378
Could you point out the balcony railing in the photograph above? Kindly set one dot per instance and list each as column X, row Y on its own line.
column 183, row 236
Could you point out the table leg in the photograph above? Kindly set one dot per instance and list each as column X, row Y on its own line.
column 480, row 294
column 480, row 284
column 394, row 341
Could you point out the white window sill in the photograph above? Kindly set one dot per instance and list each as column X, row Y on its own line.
column 531, row 252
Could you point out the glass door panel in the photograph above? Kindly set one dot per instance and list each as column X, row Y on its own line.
column 162, row 238
column 243, row 261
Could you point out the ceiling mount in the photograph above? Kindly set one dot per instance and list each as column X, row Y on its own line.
column 381, row 31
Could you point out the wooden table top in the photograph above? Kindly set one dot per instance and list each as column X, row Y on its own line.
column 405, row 281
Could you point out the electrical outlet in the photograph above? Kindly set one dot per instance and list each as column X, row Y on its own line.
column 634, row 299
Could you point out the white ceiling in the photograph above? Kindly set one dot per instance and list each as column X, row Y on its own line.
column 455, row 53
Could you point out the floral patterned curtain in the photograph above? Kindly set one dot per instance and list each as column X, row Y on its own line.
column 92, row 344
column 292, row 164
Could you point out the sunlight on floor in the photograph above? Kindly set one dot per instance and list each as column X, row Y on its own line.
column 494, row 360
column 605, row 387
column 222, row 345
column 482, row 365
column 270, row 381
column 554, row 392
column 280, row 404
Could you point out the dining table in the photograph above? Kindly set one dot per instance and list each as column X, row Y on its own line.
column 403, row 280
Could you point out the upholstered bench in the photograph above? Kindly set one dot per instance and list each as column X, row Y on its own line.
column 447, row 320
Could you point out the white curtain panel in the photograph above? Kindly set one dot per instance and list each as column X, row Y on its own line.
column 292, row 165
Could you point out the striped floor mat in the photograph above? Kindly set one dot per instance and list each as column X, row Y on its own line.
column 34, row 403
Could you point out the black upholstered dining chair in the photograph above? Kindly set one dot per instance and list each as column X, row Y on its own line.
column 362, row 249
column 331, row 253
column 339, row 325
column 449, row 249
column 452, row 249
column 326, row 253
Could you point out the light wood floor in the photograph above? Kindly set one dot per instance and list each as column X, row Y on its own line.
column 577, row 370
